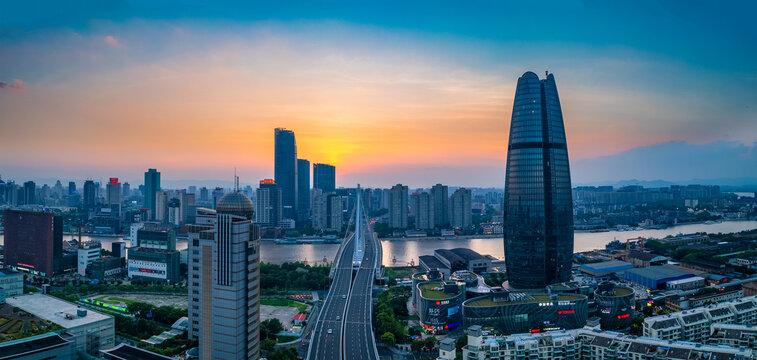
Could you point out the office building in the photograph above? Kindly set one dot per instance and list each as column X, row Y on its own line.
column 173, row 212
column 33, row 241
column 460, row 208
column 113, row 196
column 160, row 209
column 538, row 198
column 422, row 206
column 303, row 190
column 11, row 284
column 269, row 203
column 118, row 249
column 90, row 330
column 152, row 186
column 440, row 197
column 285, row 170
column 106, row 267
column 89, row 197
column 125, row 190
column 156, row 236
column 71, row 188
column 319, row 209
column 217, row 194
column 324, row 177
column 334, row 213
column 398, row 207
column 224, row 282
column 30, row 193
column 154, row 265
column 85, row 255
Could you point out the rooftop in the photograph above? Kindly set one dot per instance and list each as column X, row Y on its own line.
column 606, row 266
column 658, row 272
column 55, row 310
column 433, row 291
column 17, row 348
column 128, row 352
column 488, row 300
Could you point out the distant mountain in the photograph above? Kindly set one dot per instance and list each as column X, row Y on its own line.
column 720, row 163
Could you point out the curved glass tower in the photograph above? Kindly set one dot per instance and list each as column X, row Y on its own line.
column 538, row 199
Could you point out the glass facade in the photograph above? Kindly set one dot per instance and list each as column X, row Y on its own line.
column 285, row 170
column 538, row 200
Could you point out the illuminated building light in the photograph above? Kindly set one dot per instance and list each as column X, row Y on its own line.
column 624, row 316
column 561, row 312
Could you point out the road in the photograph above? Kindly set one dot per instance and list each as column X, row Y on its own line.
column 325, row 345
column 360, row 344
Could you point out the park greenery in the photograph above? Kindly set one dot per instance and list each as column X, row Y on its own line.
column 495, row 279
column 268, row 330
column 293, row 276
column 392, row 305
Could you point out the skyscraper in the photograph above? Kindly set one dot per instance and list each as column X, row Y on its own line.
column 268, row 198
column 152, row 185
column 88, row 199
column 398, row 207
column 113, row 196
column 460, row 208
column 30, row 193
column 319, row 209
column 324, row 177
column 71, row 188
column 334, row 213
column 285, row 170
column 125, row 190
column 224, row 288
column 303, row 189
column 538, row 201
column 423, row 210
column 33, row 241
column 440, row 196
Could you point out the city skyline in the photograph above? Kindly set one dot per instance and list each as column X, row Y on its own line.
column 395, row 87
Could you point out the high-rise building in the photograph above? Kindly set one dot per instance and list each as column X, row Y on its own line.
column 89, row 196
column 460, row 208
column 319, row 209
column 204, row 194
column 217, row 195
column 324, row 177
column 30, row 193
column 174, row 212
column 33, row 241
column 334, row 213
column 423, row 210
column 269, row 203
column 224, row 285
column 126, row 190
column 161, row 206
column 71, row 188
column 440, row 197
column 152, row 186
column 285, row 170
column 538, row 200
column 113, row 196
column 398, row 207
column 303, row 189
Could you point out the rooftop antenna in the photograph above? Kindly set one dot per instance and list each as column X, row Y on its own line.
column 236, row 181
column 546, row 73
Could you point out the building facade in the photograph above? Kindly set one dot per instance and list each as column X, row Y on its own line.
column 460, row 208
column 33, row 241
column 538, row 198
column 615, row 306
column 303, row 190
column 324, row 177
column 154, row 265
column 440, row 197
column 269, row 203
column 152, row 185
column 285, row 170
column 422, row 206
column 398, row 207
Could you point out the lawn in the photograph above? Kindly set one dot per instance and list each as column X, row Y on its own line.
column 113, row 300
column 3, row 321
column 284, row 302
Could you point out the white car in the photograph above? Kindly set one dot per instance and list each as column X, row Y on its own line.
column 329, row 331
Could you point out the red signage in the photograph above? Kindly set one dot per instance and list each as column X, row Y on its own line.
column 114, row 181
column 25, row 265
column 535, row 331
column 267, row 181
column 624, row 316
column 145, row 270
column 566, row 312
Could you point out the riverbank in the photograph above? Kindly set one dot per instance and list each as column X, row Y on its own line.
column 425, row 238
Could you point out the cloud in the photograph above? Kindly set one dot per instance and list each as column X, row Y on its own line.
column 112, row 41
column 17, row 85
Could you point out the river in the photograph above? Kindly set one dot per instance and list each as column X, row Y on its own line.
column 407, row 250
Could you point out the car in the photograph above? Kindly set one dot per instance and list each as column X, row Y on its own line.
column 338, row 318
column 303, row 344
column 344, row 296
column 329, row 331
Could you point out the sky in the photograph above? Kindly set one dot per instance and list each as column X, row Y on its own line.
column 390, row 92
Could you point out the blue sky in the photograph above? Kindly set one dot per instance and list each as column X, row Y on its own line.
column 414, row 73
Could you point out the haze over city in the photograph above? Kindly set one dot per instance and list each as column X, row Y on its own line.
column 415, row 92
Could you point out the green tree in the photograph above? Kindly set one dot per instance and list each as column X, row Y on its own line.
column 388, row 338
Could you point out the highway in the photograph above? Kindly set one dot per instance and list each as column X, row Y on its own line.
column 347, row 309
column 324, row 345
column 359, row 342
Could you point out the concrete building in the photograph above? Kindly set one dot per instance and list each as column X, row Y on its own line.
column 655, row 277
column 303, row 190
column 40, row 347
column 736, row 336
column 11, row 284
column 645, row 259
column 33, row 241
column 224, row 282
column 422, row 207
column 605, row 269
column 547, row 345
column 118, row 249
column 269, row 205
column 319, row 209
column 85, row 255
column 324, row 177
column 156, row 236
column 90, row 330
column 440, row 198
column 154, row 265
column 691, row 283
column 107, row 267
column 398, row 207
column 460, row 208
column 334, row 213
column 161, row 206
column 113, row 196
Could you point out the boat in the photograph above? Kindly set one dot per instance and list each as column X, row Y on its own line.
column 285, row 241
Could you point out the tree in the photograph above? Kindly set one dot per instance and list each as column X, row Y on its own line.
column 388, row 338
column 429, row 343
column 461, row 342
column 417, row 345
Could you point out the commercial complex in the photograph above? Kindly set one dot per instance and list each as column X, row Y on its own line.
column 615, row 306
column 516, row 312
column 154, row 265
column 33, row 241
column 285, row 170
column 224, row 282
column 538, row 199
column 90, row 330
column 438, row 305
